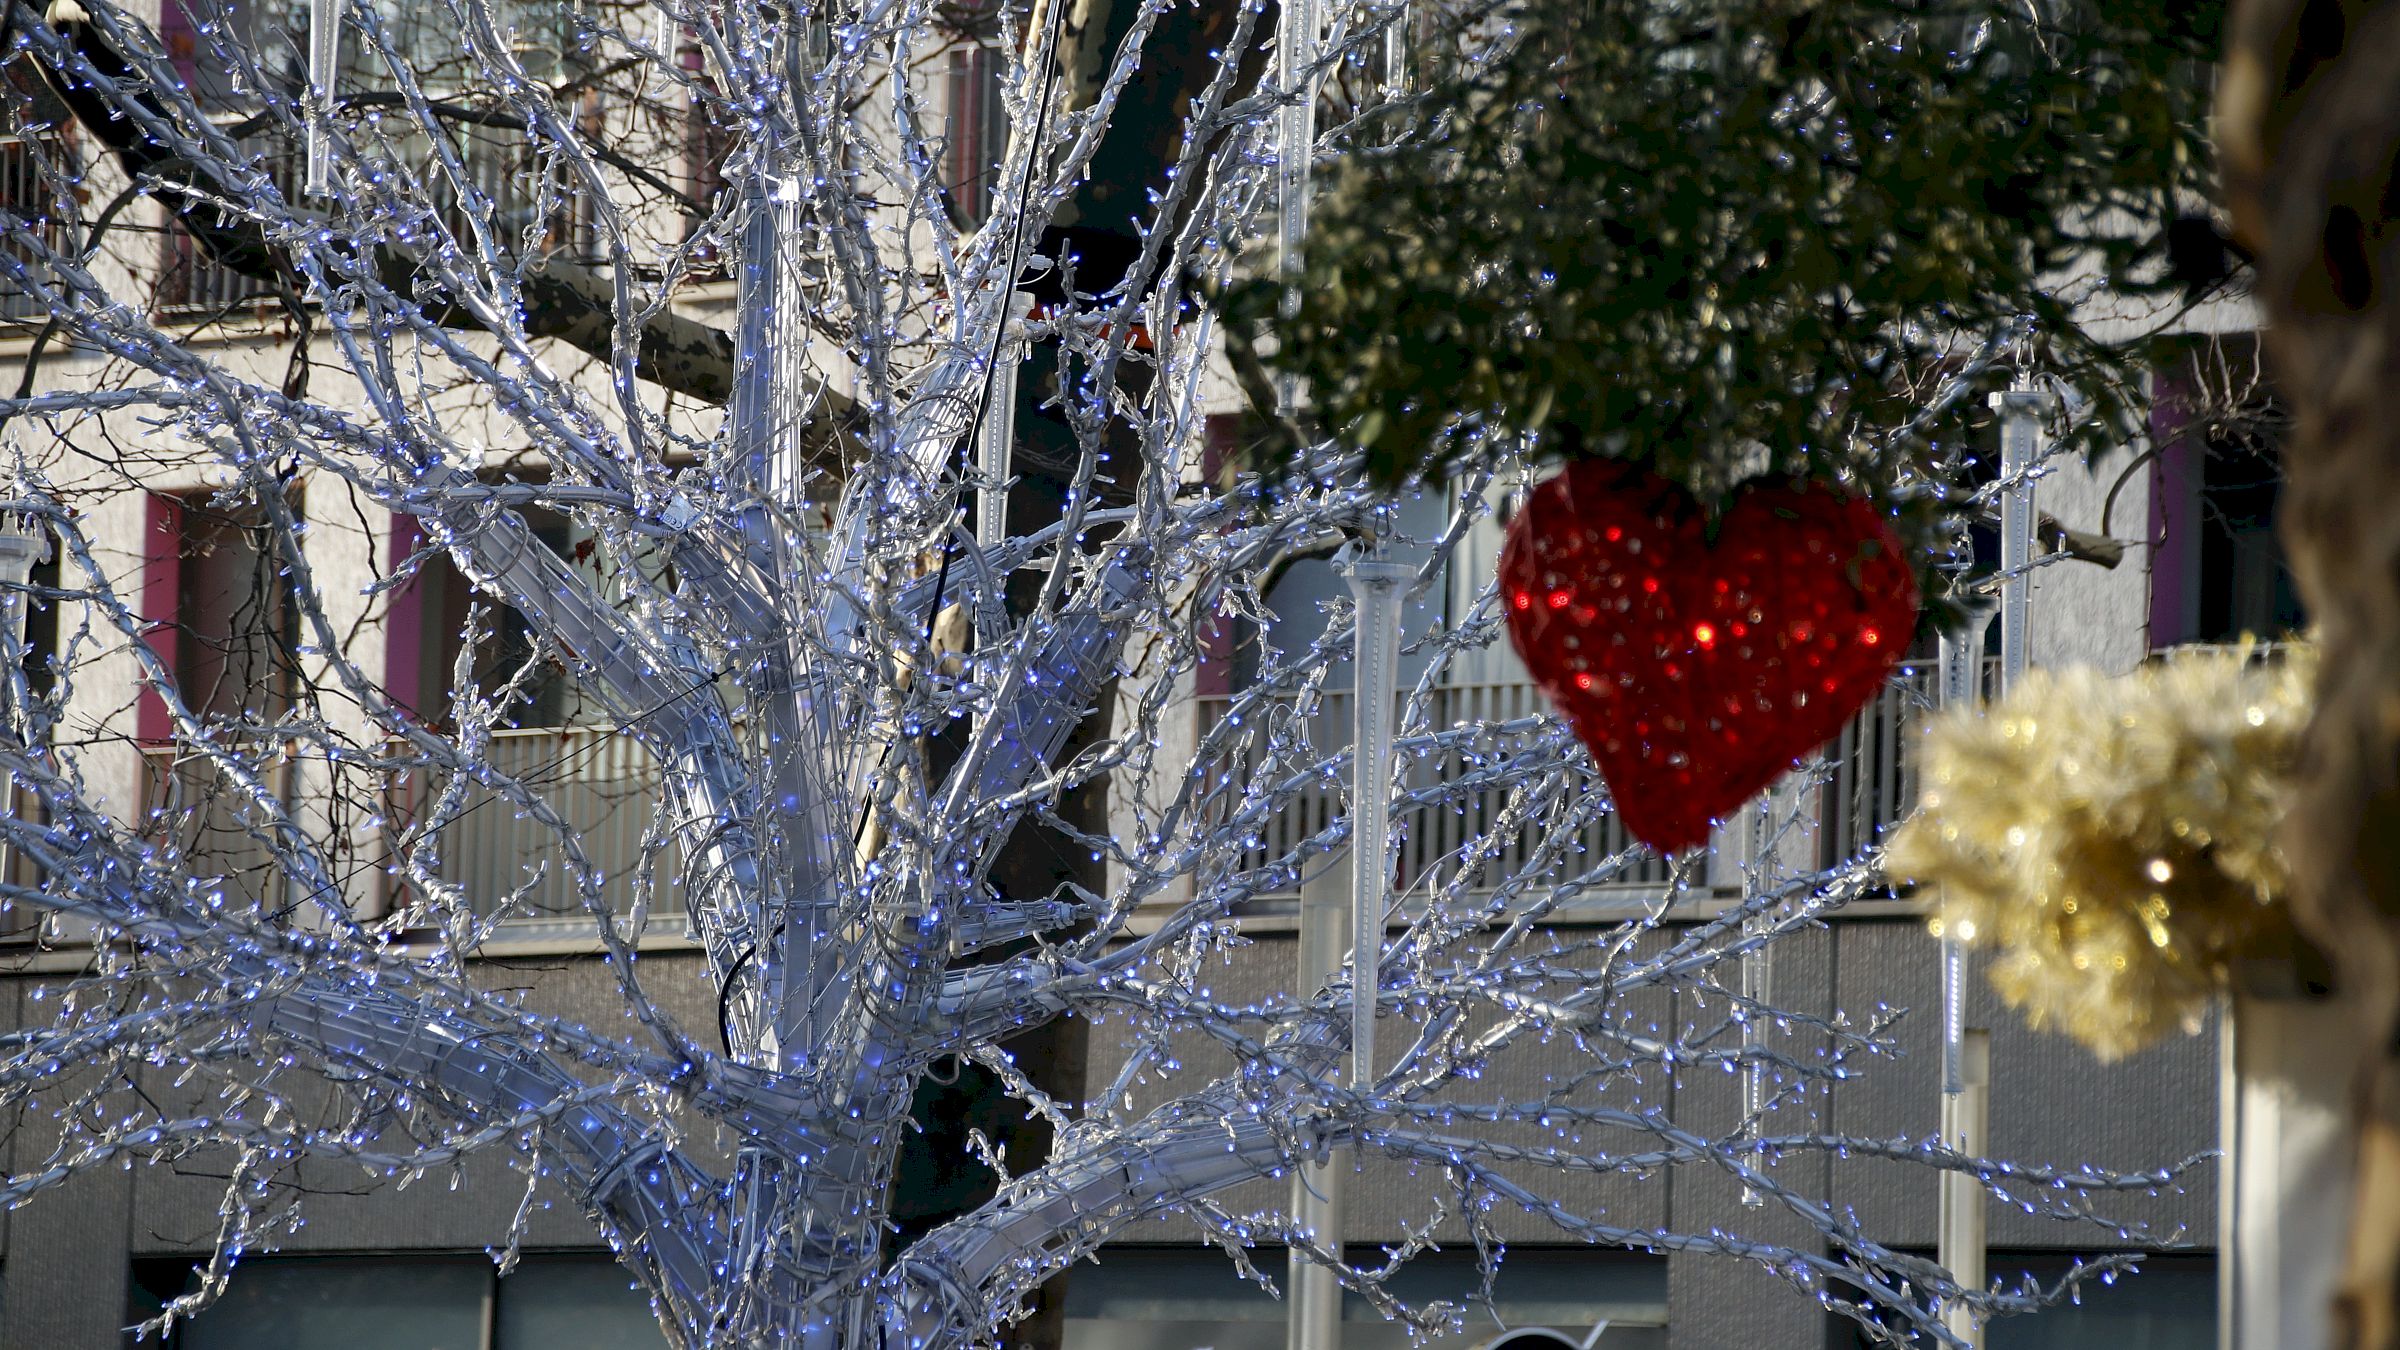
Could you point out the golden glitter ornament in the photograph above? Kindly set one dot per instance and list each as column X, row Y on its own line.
column 2112, row 839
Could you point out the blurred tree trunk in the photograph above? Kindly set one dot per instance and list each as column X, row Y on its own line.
column 2308, row 130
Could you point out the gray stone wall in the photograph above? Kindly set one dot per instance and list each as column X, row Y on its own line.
column 63, row 1269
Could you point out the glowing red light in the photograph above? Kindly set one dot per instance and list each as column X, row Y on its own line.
column 1584, row 680
column 1613, row 533
column 1558, row 599
column 1705, row 634
column 1524, row 600
column 1869, row 636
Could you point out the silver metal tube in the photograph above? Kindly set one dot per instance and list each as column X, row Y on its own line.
column 1966, row 1051
column 1966, row 1121
column 1961, row 685
column 324, row 66
column 1375, row 588
column 1960, row 1232
column 1316, row 1296
column 2020, row 447
column 1295, row 53
column 1314, row 1308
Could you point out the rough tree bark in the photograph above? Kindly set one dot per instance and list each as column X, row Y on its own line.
column 2309, row 139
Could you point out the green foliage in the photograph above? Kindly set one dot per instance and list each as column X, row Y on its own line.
column 1683, row 232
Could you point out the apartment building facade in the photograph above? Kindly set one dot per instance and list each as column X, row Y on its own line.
column 379, row 1269
column 410, row 1269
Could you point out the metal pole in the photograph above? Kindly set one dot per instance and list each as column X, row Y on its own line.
column 1966, row 1051
column 1314, row 1312
column 1961, row 1228
column 2021, row 413
column 1961, row 676
column 1316, row 1296
column 1758, row 966
column 1966, row 1122
column 1295, row 146
column 1375, row 590
column 1329, row 930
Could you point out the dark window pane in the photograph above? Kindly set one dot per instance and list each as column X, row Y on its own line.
column 347, row 1303
column 1185, row 1298
column 2170, row 1305
column 584, row 1301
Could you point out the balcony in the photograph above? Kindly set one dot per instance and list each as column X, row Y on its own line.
column 196, row 288
column 530, row 206
column 1868, row 783
column 601, row 783
column 29, row 167
column 188, row 805
column 506, row 864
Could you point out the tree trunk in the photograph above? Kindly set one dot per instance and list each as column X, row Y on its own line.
column 2308, row 127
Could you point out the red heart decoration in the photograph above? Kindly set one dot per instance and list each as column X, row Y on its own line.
column 1695, row 671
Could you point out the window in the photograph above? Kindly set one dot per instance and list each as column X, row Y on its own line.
column 978, row 130
column 552, row 738
column 537, row 208
column 1176, row 1298
column 233, row 657
column 2246, row 586
column 36, row 164
column 2170, row 1305
column 221, row 616
column 209, row 41
column 580, row 1299
column 2217, row 569
column 430, row 634
column 708, row 145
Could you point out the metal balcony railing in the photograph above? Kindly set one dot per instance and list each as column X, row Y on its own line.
column 189, row 805
column 1428, row 841
column 507, row 175
column 21, row 923
column 192, row 285
column 26, row 193
column 602, row 783
column 1870, row 784
column 2261, row 650
column 1873, row 783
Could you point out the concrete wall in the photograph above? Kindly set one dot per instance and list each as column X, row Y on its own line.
column 63, row 1270
column 2053, row 1103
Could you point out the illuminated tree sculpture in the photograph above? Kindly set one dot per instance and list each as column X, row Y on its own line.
column 854, row 704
